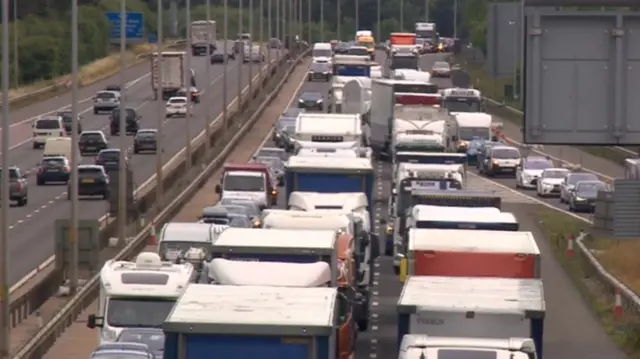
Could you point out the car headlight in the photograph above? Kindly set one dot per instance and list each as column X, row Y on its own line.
column 319, row 101
column 300, row 100
column 580, row 199
column 389, row 229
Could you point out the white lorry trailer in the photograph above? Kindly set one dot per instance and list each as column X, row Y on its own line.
column 173, row 73
column 203, row 36
column 356, row 97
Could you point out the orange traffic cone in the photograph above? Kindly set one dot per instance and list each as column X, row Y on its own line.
column 617, row 305
column 153, row 240
column 570, row 246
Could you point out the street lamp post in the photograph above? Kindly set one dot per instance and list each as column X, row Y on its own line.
column 191, row 78
column 157, row 69
column 122, row 167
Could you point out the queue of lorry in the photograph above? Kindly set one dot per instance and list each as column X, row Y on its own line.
column 296, row 282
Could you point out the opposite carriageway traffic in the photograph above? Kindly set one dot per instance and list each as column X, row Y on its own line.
column 31, row 226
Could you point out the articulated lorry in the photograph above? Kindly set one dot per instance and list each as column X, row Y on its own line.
column 203, row 37
column 240, row 322
column 172, row 73
column 463, row 307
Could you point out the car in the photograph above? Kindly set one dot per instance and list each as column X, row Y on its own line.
column 105, row 101
column 549, row 182
column 273, row 152
column 53, row 169
column 275, row 43
column 311, row 101
column 193, row 92
column 530, row 169
column 253, row 209
column 18, row 186
column 146, row 140
column 153, row 338
column 237, row 220
column 582, row 197
column 67, row 121
column 253, row 53
column 501, row 160
column 123, row 350
column 483, row 152
column 220, row 56
column 276, row 166
column 570, row 181
column 341, row 48
column 109, row 159
column 177, row 107
column 132, row 121
column 319, row 70
column 113, row 87
column 92, row 181
column 288, row 143
column 358, row 51
column 92, row 142
column 441, row 69
column 282, row 125
column 242, row 41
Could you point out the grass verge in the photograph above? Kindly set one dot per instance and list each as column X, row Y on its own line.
column 494, row 89
column 557, row 228
column 88, row 75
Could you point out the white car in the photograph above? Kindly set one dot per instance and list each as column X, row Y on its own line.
column 177, row 106
column 550, row 180
column 530, row 170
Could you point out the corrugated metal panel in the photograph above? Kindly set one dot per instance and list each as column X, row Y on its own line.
column 626, row 209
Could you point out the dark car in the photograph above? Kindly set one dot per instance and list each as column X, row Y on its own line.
column 113, row 87
column 152, row 337
column 282, row 124
column 109, row 159
column 319, row 70
column 358, row 51
column 67, row 121
column 145, row 140
column 132, row 123
column 275, row 43
column 18, row 186
column 582, row 197
column 92, row 142
column 53, row 169
column 219, row 56
column 92, row 181
column 287, row 140
column 311, row 101
column 341, row 48
column 193, row 92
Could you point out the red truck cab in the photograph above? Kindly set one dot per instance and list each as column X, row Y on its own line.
column 251, row 180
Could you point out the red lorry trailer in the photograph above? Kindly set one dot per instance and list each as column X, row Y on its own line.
column 471, row 253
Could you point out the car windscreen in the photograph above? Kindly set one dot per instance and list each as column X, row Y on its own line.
column 110, row 155
column 89, row 172
column 13, row 174
column 53, row 162
column 320, row 67
column 90, row 137
column 106, row 95
column 505, row 153
column 146, row 134
column 238, row 182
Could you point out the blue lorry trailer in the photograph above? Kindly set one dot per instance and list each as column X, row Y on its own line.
column 240, row 322
column 326, row 175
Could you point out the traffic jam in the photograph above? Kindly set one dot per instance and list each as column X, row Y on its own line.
column 283, row 264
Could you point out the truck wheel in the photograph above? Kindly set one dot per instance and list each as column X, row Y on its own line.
column 363, row 324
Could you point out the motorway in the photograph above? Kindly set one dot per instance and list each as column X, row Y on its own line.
column 31, row 236
column 572, row 331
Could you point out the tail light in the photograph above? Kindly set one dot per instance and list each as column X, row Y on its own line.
column 66, row 169
column 99, row 161
column 40, row 169
column 19, row 187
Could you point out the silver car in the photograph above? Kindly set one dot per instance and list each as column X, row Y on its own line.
column 106, row 101
column 252, row 53
column 570, row 181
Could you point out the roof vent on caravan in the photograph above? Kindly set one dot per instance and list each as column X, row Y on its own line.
column 148, row 260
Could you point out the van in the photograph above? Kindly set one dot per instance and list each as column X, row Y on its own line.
column 322, row 52
column 45, row 128
column 59, row 147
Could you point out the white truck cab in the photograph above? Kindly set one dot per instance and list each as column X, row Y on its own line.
column 273, row 274
column 323, row 128
column 139, row 294
column 176, row 238
column 355, row 203
column 334, row 152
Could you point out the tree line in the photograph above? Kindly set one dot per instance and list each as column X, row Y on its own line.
column 44, row 26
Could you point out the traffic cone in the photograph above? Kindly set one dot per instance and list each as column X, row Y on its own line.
column 570, row 246
column 617, row 305
column 153, row 240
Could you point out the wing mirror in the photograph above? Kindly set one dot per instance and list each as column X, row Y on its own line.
column 218, row 189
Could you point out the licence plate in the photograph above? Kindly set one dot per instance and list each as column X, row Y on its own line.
column 88, row 180
column 53, row 170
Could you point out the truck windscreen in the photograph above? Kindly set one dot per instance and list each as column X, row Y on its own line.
column 485, row 226
column 462, row 104
column 410, row 62
column 418, row 147
column 423, row 88
column 451, row 199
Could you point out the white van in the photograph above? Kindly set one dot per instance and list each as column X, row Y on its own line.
column 45, row 128
column 322, row 52
column 60, row 147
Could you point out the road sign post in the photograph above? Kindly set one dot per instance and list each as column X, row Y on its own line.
column 134, row 27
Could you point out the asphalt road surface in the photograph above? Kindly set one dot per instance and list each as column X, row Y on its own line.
column 571, row 329
column 31, row 236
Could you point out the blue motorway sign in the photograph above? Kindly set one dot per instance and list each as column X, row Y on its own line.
column 134, row 26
